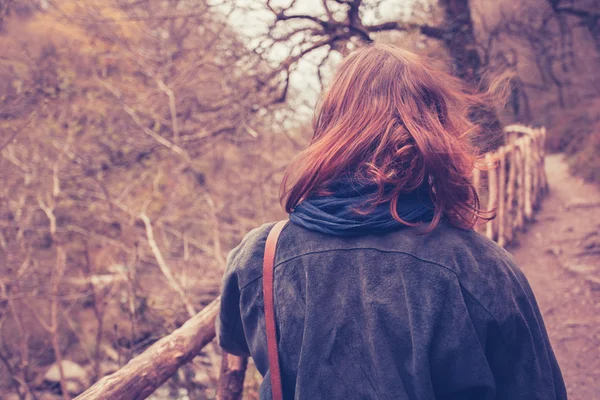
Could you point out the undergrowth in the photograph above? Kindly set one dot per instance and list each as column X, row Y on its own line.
column 577, row 134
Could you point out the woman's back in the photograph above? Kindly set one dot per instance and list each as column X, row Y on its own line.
column 382, row 288
column 400, row 315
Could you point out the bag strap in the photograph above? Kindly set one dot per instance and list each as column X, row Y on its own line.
column 268, row 273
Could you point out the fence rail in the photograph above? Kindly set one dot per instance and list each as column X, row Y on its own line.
column 512, row 182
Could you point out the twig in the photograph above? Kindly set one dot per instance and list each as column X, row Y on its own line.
column 164, row 267
column 16, row 132
column 582, row 205
column 216, row 231
column 136, row 119
column 591, row 252
column 13, row 380
column 172, row 107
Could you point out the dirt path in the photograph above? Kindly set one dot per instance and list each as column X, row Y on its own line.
column 560, row 254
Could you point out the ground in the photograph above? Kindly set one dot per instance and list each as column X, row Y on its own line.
column 560, row 255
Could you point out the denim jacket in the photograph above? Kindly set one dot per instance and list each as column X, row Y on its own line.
column 401, row 315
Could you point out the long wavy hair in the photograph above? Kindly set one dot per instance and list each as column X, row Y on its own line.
column 395, row 121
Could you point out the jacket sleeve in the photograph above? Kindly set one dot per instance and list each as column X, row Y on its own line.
column 230, row 331
column 520, row 353
column 479, row 355
column 458, row 361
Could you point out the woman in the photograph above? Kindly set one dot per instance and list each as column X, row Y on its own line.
column 382, row 288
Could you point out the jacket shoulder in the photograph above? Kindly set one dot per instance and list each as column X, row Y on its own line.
column 245, row 260
column 486, row 271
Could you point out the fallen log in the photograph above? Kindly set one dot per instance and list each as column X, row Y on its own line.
column 142, row 375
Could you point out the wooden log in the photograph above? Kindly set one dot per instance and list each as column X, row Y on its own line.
column 516, row 128
column 231, row 381
column 535, row 164
column 544, row 176
column 528, row 211
column 492, row 193
column 142, row 375
column 501, row 217
column 510, row 193
column 519, row 184
column 540, row 155
column 476, row 180
column 533, row 170
column 543, row 186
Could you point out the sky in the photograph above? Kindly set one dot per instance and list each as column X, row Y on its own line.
column 252, row 19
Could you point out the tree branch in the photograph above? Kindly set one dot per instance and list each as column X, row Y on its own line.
column 164, row 267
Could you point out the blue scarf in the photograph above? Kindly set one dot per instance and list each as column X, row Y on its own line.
column 336, row 214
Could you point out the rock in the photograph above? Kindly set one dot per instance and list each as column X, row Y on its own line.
column 77, row 378
column 71, row 370
column 48, row 396
column 580, row 268
column 110, row 353
column 74, row 387
column 27, row 396
column 108, row 367
column 539, row 236
column 201, row 377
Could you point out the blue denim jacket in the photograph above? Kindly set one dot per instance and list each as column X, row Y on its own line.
column 402, row 315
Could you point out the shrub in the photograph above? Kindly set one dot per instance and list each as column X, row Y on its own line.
column 577, row 134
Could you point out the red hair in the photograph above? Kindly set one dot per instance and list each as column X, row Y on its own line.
column 395, row 121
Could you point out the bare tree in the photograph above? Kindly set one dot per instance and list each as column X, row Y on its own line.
column 134, row 140
column 586, row 12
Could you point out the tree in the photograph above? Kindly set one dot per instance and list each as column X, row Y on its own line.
column 586, row 12
column 132, row 152
column 342, row 24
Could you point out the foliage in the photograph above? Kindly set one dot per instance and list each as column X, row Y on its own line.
column 136, row 152
column 577, row 133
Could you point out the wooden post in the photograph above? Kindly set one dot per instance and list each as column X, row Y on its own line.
column 519, row 183
column 492, row 193
column 535, row 168
column 527, row 175
column 145, row 373
column 541, row 183
column 510, row 192
column 231, row 381
column 543, row 161
column 476, row 184
column 501, row 218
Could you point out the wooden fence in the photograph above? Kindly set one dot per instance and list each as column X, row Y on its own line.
column 512, row 181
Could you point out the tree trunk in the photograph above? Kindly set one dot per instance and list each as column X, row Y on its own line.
column 459, row 39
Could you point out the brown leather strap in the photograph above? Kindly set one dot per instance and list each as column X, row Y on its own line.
column 268, row 272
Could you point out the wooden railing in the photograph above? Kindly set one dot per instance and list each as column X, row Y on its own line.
column 512, row 181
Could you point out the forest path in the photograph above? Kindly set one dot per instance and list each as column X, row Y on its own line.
column 560, row 255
